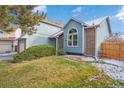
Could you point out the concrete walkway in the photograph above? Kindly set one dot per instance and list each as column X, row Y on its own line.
column 79, row 58
column 114, row 62
column 7, row 56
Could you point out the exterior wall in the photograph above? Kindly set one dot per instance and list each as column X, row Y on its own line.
column 36, row 40
column 80, row 48
column 41, row 36
column 102, row 33
column 2, row 33
column 18, row 33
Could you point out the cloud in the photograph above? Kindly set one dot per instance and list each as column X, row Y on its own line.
column 40, row 9
column 78, row 9
column 120, row 14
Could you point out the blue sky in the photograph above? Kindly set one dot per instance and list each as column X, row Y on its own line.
column 62, row 13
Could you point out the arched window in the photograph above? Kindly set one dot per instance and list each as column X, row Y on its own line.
column 73, row 37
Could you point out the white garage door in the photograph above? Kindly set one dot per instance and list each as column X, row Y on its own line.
column 5, row 46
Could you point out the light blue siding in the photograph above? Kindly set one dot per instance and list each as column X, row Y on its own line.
column 102, row 33
column 79, row 49
column 42, row 35
column 35, row 40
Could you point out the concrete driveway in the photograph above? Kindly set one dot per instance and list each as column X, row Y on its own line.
column 7, row 56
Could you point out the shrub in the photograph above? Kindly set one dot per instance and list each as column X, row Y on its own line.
column 34, row 53
column 61, row 52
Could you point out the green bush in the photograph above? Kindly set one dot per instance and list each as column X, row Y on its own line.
column 34, row 53
column 61, row 52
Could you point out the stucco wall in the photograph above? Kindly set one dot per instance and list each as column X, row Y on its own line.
column 42, row 34
column 102, row 33
column 18, row 33
column 79, row 49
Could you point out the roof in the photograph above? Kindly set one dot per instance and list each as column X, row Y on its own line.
column 90, row 23
column 11, row 28
column 51, row 22
column 96, row 21
column 7, row 38
column 76, row 20
column 56, row 34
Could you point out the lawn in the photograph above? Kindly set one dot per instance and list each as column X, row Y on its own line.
column 52, row 72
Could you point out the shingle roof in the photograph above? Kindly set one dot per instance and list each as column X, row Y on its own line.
column 7, row 38
column 51, row 22
column 56, row 34
column 12, row 28
column 88, row 23
column 96, row 21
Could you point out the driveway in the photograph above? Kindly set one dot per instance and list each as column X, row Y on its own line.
column 7, row 56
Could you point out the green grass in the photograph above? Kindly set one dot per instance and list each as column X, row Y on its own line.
column 52, row 72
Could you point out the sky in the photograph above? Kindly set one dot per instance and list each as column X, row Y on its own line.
column 62, row 13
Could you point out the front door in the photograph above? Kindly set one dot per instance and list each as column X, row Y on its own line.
column 90, row 42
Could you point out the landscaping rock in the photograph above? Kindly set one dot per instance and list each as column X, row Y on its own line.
column 113, row 71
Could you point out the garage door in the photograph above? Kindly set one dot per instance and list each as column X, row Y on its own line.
column 5, row 46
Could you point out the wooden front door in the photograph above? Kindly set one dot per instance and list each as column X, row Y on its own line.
column 90, row 42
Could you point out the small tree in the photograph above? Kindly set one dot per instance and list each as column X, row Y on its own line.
column 21, row 16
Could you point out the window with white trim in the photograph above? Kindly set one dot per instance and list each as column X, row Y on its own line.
column 72, row 38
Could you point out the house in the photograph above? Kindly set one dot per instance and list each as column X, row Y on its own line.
column 86, row 37
column 45, row 33
column 17, row 42
column 75, row 37
column 9, row 41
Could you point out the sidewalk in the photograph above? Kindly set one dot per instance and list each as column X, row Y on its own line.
column 114, row 62
column 7, row 56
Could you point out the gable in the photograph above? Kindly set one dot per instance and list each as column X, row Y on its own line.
column 77, row 21
column 72, row 24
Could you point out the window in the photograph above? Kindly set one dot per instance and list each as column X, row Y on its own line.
column 72, row 38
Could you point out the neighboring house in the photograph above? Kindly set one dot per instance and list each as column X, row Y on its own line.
column 75, row 37
column 17, row 42
column 45, row 30
column 10, row 41
column 86, row 37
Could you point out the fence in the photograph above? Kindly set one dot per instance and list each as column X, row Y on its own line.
column 112, row 50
